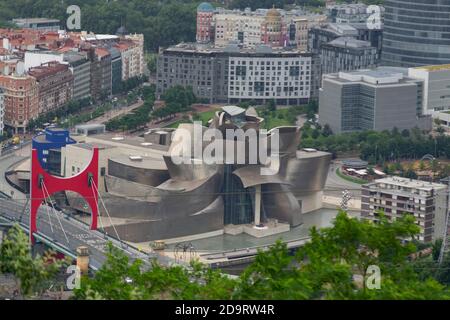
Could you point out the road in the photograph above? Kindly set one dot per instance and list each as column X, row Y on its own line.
column 335, row 184
column 53, row 224
column 115, row 113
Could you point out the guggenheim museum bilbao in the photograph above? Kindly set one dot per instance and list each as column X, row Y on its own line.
column 151, row 195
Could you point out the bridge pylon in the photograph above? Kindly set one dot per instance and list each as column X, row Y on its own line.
column 43, row 184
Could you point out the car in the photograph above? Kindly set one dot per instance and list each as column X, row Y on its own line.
column 16, row 148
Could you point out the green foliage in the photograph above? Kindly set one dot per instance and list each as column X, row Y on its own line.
column 177, row 99
column 324, row 268
column 380, row 146
column 16, row 258
column 163, row 23
column 139, row 117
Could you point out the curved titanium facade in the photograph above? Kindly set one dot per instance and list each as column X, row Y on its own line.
column 416, row 33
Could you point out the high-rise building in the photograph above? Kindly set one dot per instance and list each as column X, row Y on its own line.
column 416, row 33
column 397, row 197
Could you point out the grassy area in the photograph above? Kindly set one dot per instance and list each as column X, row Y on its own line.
column 278, row 118
column 204, row 117
column 349, row 178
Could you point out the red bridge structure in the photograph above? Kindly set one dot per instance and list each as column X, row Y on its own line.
column 42, row 185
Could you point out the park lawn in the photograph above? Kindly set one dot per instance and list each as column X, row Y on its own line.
column 274, row 120
column 206, row 116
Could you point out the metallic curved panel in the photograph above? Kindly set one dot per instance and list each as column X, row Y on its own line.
column 289, row 138
column 194, row 170
column 206, row 220
column 308, row 171
column 279, row 203
column 251, row 176
column 136, row 171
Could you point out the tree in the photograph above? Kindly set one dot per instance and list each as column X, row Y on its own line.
column 326, row 130
column 16, row 258
column 271, row 105
column 324, row 268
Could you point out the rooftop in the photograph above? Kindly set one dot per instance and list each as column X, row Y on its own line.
column 349, row 42
column 143, row 162
column 377, row 76
column 310, row 153
column 192, row 47
column 35, row 20
column 233, row 110
column 114, row 139
column 438, row 67
column 409, row 183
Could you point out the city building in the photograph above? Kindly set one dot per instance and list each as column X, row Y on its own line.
column 80, row 66
column 205, row 15
column 397, row 197
column 21, row 101
column 273, row 27
column 116, row 70
column 37, row 58
column 55, row 85
column 132, row 59
column 101, row 73
column 41, row 24
column 233, row 74
column 348, row 13
column 89, row 129
column 346, row 54
column 2, row 110
column 325, row 33
column 436, row 87
column 274, row 31
column 416, row 33
column 48, row 145
column 238, row 28
column 378, row 99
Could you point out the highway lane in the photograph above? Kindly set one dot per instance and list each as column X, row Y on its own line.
column 335, row 185
column 78, row 233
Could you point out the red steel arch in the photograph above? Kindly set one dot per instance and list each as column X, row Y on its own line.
column 80, row 183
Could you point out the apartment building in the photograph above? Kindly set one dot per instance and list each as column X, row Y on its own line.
column 20, row 100
column 80, row 66
column 238, row 28
column 397, row 197
column 233, row 74
column 101, row 73
column 55, row 85
column 274, row 27
column 2, row 110
column 132, row 59
column 347, row 54
column 282, row 76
